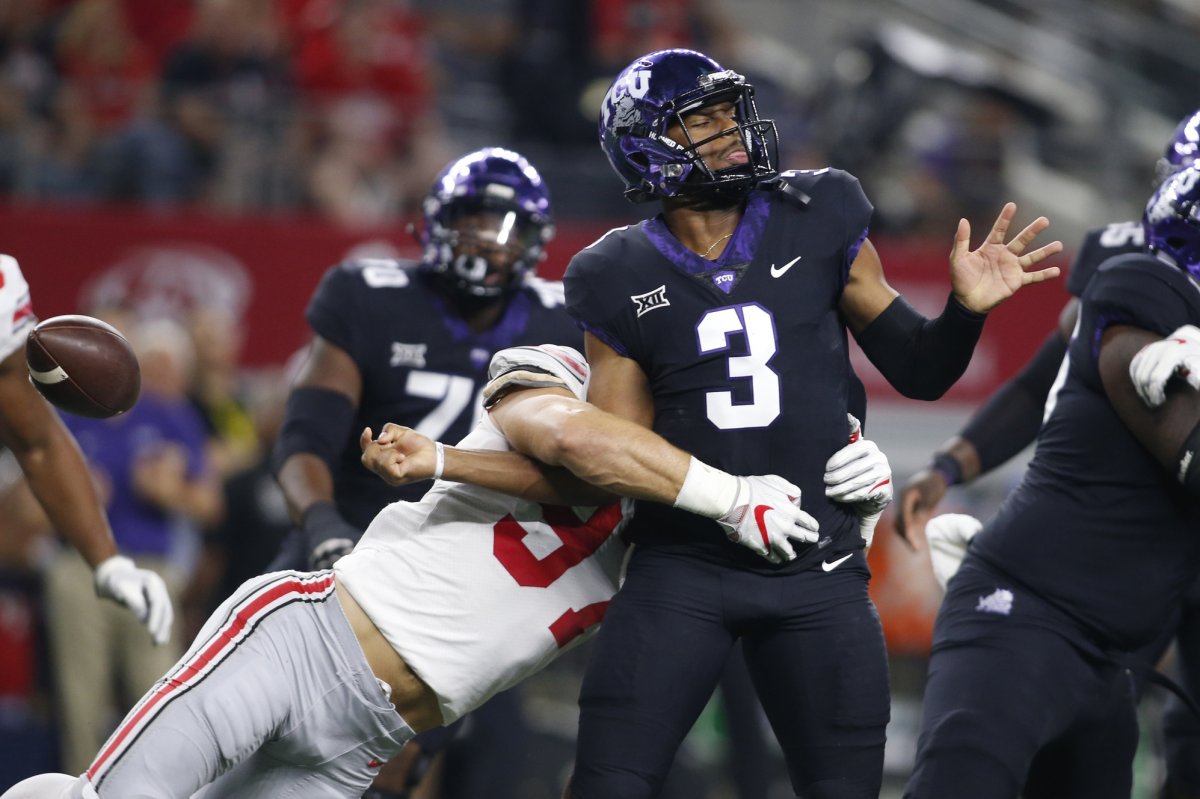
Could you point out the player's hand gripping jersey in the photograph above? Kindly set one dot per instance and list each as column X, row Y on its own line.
column 478, row 590
column 722, row 342
column 16, row 310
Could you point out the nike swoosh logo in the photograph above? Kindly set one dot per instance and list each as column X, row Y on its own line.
column 827, row 566
column 759, row 512
column 778, row 271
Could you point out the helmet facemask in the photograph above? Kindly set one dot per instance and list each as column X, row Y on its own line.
column 660, row 90
column 486, row 224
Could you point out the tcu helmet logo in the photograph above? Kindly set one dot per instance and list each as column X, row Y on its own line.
column 620, row 102
column 637, row 82
column 1164, row 205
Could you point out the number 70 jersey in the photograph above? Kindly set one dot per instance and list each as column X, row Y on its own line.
column 478, row 590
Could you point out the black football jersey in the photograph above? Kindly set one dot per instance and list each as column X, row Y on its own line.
column 1100, row 244
column 1097, row 526
column 746, row 356
column 421, row 365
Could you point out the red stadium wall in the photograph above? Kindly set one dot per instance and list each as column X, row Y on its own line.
column 267, row 267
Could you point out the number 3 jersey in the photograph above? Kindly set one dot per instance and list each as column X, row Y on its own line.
column 16, row 311
column 746, row 356
column 478, row 590
column 421, row 365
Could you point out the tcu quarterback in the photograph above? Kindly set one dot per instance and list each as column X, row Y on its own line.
column 305, row 683
column 1031, row 688
column 722, row 325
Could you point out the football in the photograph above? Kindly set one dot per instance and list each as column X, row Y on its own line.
column 83, row 366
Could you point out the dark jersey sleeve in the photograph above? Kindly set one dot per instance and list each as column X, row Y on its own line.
column 594, row 305
column 334, row 307
column 1100, row 244
column 857, row 211
column 1141, row 291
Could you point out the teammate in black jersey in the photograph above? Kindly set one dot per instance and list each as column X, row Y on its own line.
column 1009, row 422
column 410, row 342
column 1031, row 687
column 722, row 325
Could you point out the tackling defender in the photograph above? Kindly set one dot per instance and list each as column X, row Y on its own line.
column 310, row 681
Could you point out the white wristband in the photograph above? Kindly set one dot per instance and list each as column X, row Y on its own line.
column 707, row 491
column 440, row 462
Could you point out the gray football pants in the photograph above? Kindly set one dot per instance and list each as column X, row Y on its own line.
column 273, row 699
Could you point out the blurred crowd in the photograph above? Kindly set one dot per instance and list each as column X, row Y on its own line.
column 348, row 108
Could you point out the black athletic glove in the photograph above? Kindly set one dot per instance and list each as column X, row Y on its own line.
column 327, row 536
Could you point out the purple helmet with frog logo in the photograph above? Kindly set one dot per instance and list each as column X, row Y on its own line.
column 486, row 222
column 661, row 88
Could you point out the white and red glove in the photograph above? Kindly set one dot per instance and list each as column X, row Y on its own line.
column 140, row 590
column 948, row 535
column 765, row 515
column 1155, row 364
column 760, row 512
column 859, row 474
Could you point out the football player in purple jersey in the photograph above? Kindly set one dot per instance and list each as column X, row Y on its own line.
column 1009, row 422
column 722, row 324
column 1041, row 640
column 409, row 342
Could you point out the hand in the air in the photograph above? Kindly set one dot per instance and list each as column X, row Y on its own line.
column 399, row 455
column 140, row 590
column 1155, row 364
column 919, row 497
column 986, row 277
column 765, row 515
column 859, row 474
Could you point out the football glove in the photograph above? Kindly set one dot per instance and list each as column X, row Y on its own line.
column 327, row 536
column 140, row 590
column 859, row 475
column 1156, row 363
column 765, row 514
column 948, row 535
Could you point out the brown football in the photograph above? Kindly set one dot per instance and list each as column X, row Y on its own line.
column 83, row 365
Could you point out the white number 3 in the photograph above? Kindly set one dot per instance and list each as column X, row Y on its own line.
column 712, row 335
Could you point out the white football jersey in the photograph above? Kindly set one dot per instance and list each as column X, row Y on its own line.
column 16, row 310
column 478, row 590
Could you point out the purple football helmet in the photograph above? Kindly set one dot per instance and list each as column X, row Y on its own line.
column 1183, row 148
column 660, row 88
column 1172, row 220
column 488, row 202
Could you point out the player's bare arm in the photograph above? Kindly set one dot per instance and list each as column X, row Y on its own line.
column 52, row 463
column 1170, row 431
column 618, row 385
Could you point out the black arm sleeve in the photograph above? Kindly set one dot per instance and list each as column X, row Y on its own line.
column 317, row 421
column 922, row 357
column 1011, row 417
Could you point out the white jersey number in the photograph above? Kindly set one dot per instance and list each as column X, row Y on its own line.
column 758, row 325
column 455, row 392
column 580, row 540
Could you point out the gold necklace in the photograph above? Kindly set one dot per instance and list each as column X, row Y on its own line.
column 715, row 243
